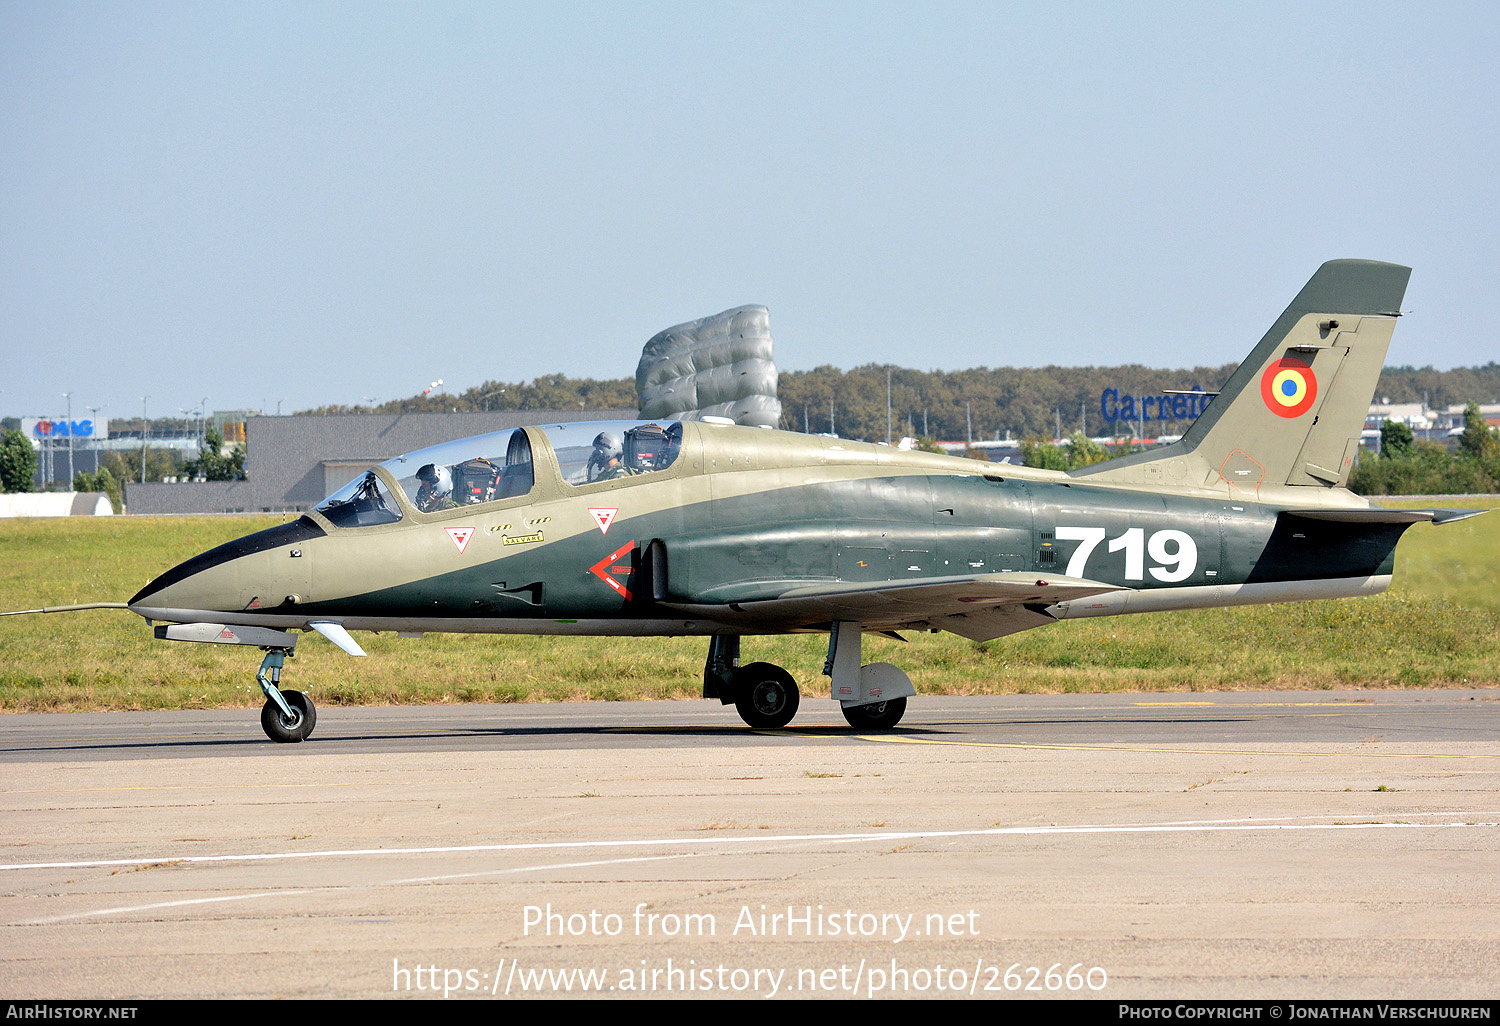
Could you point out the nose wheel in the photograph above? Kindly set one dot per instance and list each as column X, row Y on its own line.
column 288, row 716
column 289, row 728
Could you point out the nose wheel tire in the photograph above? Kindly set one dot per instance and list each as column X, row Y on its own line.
column 289, row 731
column 877, row 715
column 766, row 695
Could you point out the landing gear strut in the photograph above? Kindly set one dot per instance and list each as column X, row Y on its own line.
column 873, row 696
column 288, row 716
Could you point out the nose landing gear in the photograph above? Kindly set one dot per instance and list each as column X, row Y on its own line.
column 288, row 716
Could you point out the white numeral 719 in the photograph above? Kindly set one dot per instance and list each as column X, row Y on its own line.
column 1175, row 551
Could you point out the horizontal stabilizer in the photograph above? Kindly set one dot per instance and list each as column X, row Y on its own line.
column 1448, row 516
column 1379, row 515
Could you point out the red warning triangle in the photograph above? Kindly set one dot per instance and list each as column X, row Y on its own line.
column 460, row 536
column 605, row 517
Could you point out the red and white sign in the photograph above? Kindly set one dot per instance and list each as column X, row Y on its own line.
column 605, row 517
column 460, row 536
column 608, row 572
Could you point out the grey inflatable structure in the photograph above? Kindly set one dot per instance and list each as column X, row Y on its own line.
column 717, row 366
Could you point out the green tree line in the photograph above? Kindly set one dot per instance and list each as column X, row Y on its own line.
column 951, row 405
column 982, row 402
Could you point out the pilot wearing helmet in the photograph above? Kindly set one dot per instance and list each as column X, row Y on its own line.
column 605, row 463
column 436, row 490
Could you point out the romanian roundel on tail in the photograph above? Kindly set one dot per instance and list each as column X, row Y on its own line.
column 1291, row 414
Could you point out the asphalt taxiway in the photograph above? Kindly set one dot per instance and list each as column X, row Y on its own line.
column 1337, row 844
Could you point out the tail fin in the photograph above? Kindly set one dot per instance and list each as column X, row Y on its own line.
column 1291, row 414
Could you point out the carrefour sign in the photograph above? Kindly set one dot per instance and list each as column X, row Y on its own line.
column 42, row 429
column 1136, row 408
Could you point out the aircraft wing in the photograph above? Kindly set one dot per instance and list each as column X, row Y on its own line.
column 979, row 607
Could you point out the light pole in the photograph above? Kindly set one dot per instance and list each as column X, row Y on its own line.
column 69, row 397
column 144, row 430
column 94, row 439
column 187, row 424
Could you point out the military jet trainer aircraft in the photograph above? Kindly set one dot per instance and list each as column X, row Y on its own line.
column 710, row 529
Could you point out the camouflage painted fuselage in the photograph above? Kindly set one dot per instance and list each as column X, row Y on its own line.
column 755, row 531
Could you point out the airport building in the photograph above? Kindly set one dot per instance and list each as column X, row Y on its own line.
column 1434, row 425
column 65, row 447
column 293, row 463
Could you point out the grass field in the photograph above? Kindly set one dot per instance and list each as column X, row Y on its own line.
column 1439, row 625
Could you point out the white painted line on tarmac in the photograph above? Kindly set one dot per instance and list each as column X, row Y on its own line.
column 668, row 842
column 332, row 888
column 897, row 739
column 766, row 843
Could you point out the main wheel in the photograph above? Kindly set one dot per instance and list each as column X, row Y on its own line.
column 765, row 695
column 877, row 715
column 289, row 731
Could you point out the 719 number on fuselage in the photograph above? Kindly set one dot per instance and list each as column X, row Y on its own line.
column 1174, row 553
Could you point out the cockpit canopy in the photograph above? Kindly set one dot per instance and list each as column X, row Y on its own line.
column 497, row 466
column 603, row 451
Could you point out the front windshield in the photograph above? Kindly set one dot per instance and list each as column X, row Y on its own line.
column 360, row 503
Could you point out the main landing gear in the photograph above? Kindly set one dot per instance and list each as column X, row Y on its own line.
column 764, row 694
column 288, row 716
column 872, row 697
column 876, row 715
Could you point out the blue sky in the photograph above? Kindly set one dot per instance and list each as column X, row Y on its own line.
column 317, row 203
